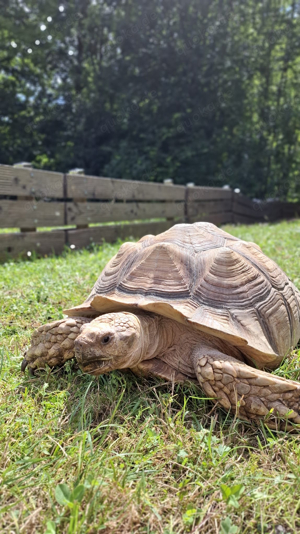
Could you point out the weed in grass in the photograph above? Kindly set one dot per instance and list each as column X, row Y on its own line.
column 120, row 454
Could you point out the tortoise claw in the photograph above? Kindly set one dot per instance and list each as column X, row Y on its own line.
column 31, row 371
column 24, row 365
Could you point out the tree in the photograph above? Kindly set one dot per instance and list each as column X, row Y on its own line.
column 194, row 91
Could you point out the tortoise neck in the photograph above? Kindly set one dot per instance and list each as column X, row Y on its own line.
column 158, row 334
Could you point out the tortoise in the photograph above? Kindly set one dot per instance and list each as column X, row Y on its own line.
column 193, row 303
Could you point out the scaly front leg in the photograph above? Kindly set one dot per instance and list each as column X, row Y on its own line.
column 53, row 343
column 250, row 393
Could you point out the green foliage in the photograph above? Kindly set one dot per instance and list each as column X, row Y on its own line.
column 189, row 515
column 71, row 499
column 232, row 494
column 227, row 527
column 195, row 91
column 51, row 528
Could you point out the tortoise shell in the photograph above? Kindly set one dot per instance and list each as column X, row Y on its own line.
column 200, row 275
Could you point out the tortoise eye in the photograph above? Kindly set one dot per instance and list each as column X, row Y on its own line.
column 106, row 339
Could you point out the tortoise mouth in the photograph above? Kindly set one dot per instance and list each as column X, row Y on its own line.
column 87, row 355
column 98, row 366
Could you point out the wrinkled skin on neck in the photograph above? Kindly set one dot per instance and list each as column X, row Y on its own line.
column 124, row 340
column 118, row 341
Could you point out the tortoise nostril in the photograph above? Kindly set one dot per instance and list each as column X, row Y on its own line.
column 80, row 343
column 92, row 336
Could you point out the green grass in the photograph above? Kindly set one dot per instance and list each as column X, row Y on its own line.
column 120, row 454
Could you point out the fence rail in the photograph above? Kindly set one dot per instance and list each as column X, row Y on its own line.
column 32, row 199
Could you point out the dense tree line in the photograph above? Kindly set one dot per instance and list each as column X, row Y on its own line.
column 195, row 90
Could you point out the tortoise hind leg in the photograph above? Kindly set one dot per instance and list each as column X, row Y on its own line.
column 251, row 393
column 53, row 343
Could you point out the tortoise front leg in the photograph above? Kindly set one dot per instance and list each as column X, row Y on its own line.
column 159, row 369
column 53, row 343
column 248, row 392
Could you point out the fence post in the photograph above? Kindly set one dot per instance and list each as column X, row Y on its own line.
column 169, row 181
column 188, row 186
column 76, row 200
column 25, row 165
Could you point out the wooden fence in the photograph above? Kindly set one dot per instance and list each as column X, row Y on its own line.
column 31, row 199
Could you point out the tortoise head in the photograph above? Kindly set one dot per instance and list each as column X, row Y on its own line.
column 111, row 341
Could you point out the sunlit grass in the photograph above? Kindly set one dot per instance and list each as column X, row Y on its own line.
column 121, row 454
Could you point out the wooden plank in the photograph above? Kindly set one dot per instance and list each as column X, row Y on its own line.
column 33, row 182
column 94, row 212
column 215, row 218
column 30, row 213
column 242, row 200
column 238, row 218
column 110, row 234
column 15, row 244
column 272, row 211
column 245, row 207
column 296, row 208
column 290, row 209
column 277, row 210
column 200, row 210
column 254, row 212
column 92, row 187
column 195, row 194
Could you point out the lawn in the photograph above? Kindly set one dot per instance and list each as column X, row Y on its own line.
column 121, row 454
